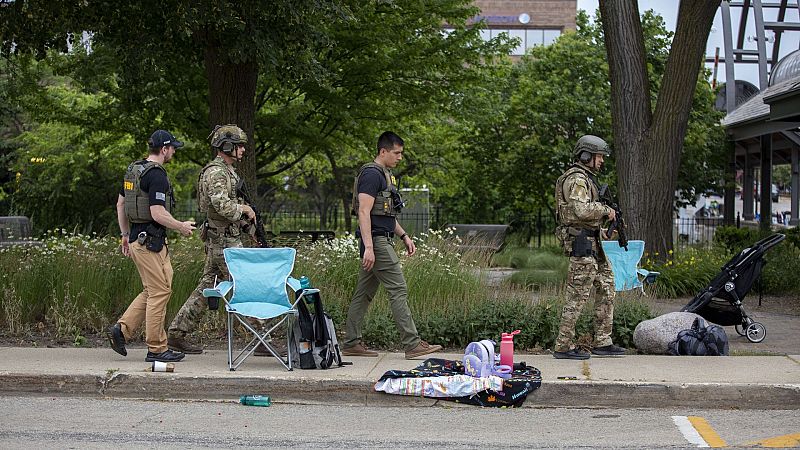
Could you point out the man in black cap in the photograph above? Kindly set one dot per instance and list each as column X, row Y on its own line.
column 143, row 211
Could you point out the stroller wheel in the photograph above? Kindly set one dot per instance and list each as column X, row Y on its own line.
column 756, row 332
column 740, row 327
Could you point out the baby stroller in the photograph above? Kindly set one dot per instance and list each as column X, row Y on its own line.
column 721, row 301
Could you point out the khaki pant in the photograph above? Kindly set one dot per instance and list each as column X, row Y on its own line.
column 150, row 306
column 386, row 270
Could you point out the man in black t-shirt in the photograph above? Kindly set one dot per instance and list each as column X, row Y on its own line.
column 376, row 203
column 143, row 211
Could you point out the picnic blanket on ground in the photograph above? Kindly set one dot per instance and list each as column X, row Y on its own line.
column 445, row 379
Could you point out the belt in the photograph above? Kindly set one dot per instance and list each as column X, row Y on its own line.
column 588, row 232
column 226, row 230
column 388, row 234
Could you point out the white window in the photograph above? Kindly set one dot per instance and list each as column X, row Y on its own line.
column 550, row 36
column 519, row 50
column 496, row 32
column 534, row 37
column 528, row 38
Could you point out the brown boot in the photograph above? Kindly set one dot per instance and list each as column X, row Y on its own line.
column 179, row 344
column 359, row 350
column 423, row 348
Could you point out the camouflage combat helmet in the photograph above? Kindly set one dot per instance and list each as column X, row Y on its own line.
column 591, row 144
column 225, row 137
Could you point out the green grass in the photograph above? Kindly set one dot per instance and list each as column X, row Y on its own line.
column 543, row 268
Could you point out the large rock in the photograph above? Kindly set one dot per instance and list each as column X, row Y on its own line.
column 653, row 336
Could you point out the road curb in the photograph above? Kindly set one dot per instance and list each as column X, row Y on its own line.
column 574, row 394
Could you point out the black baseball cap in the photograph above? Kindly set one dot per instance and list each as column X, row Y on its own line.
column 161, row 138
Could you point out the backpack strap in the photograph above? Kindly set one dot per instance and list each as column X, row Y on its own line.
column 305, row 321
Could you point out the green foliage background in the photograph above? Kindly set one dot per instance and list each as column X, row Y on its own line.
column 488, row 136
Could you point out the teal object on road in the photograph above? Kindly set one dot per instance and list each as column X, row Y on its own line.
column 255, row 400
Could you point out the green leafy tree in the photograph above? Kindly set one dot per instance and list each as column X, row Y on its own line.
column 303, row 78
column 526, row 117
column 188, row 64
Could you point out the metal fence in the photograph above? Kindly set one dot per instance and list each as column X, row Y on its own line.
column 696, row 230
column 535, row 229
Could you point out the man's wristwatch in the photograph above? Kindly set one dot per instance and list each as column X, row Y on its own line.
column 403, row 236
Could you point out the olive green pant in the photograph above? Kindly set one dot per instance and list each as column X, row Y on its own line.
column 387, row 271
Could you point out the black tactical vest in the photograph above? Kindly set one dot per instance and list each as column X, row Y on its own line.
column 137, row 201
column 385, row 203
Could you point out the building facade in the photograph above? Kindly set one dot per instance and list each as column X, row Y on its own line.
column 533, row 22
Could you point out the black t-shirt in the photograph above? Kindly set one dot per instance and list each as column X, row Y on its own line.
column 372, row 181
column 156, row 184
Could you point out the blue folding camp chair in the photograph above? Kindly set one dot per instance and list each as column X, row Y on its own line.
column 258, row 290
column 625, row 265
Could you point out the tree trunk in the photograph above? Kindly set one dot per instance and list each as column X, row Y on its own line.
column 231, row 99
column 342, row 187
column 648, row 144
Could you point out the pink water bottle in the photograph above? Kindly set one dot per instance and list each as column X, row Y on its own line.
column 507, row 349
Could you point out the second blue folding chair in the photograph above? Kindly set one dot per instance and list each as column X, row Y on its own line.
column 625, row 265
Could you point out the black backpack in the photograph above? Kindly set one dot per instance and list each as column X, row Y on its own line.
column 313, row 338
column 700, row 340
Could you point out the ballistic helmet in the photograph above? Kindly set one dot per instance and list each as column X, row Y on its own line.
column 226, row 137
column 589, row 145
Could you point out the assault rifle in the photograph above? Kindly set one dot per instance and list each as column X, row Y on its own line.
column 261, row 235
column 618, row 223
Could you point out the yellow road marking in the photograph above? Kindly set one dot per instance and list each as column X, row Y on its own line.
column 785, row 441
column 708, row 433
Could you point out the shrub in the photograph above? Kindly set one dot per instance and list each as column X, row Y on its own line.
column 782, row 261
column 793, row 236
column 735, row 239
column 686, row 271
column 79, row 284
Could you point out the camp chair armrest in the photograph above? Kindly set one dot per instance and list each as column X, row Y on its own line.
column 294, row 283
column 649, row 277
column 220, row 290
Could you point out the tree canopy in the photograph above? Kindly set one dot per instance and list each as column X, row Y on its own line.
column 526, row 118
column 314, row 83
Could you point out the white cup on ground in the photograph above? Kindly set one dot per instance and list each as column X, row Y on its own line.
column 159, row 366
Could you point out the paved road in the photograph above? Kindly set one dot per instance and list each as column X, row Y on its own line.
column 41, row 422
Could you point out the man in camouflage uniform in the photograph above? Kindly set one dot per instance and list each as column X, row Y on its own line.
column 227, row 214
column 580, row 215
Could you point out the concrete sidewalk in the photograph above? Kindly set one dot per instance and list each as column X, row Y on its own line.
column 744, row 382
